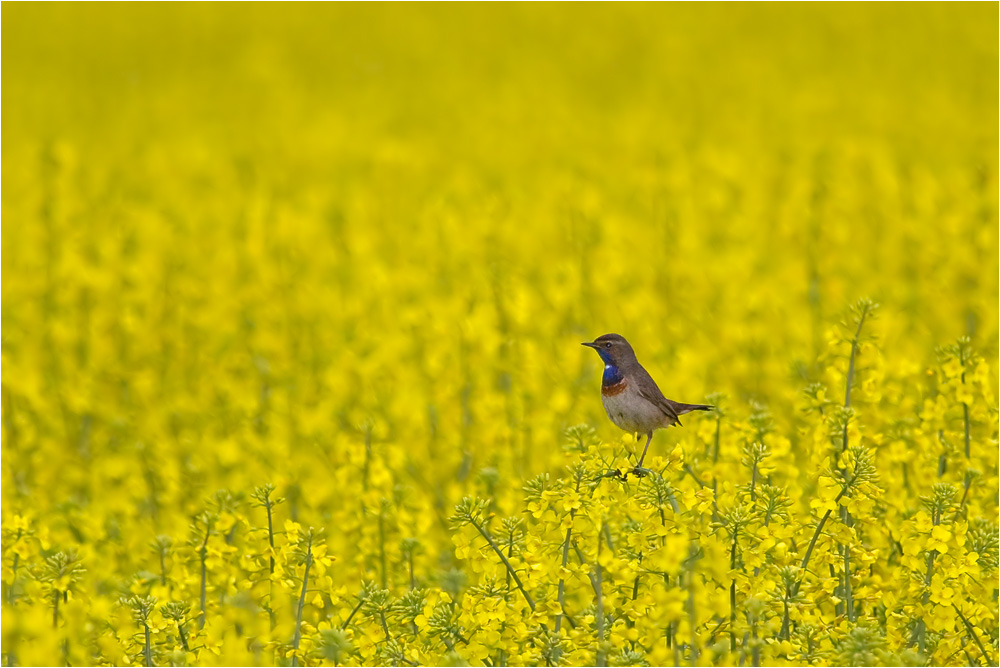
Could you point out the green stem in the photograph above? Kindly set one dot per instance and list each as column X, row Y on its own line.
column 270, row 541
column 147, row 650
column 844, row 514
column 596, row 582
column 967, row 484
column 812, row 542
column 848, row 586
column 692, row 616
column 565, row 561
column 715, row 460
column 819, row 530
column 854, row 352
column 385, row 627
column 694, row 476
column 975, row 636
column 510, row 553
column 921, row 630
column 347, row 622
column 562, row 580
column 601, row 653
column 203, row 554
column 510, row 569
column 965, row 411
column 732, row 597
column 635, row 594
column 302, row 604
column 270, row 533
column 785, row 621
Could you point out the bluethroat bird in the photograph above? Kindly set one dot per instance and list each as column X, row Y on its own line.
column 630, row 395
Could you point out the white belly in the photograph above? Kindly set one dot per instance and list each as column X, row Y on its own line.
column 629, row 411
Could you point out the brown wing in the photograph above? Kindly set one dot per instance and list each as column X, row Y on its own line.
column 649, row 391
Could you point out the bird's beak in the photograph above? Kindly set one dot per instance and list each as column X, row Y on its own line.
column 589, row 344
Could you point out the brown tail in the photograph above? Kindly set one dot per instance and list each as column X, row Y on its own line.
column 681, row 409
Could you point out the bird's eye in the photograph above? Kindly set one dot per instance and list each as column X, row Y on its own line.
column 607, row 345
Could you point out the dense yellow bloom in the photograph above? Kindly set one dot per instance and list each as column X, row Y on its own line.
column 292, row 304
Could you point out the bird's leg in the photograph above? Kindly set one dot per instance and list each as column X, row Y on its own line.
column 638, row 470
column 649, row 437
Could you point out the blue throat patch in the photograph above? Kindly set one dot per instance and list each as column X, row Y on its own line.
column 612, row 375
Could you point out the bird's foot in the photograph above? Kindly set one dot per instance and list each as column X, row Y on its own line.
column 613, row 473
column 640, row 472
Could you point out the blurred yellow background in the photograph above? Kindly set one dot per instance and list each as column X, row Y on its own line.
column 306, row 245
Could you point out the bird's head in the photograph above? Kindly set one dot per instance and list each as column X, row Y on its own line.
column 613, row 349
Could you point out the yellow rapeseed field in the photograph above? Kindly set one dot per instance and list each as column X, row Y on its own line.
column 293, row 299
